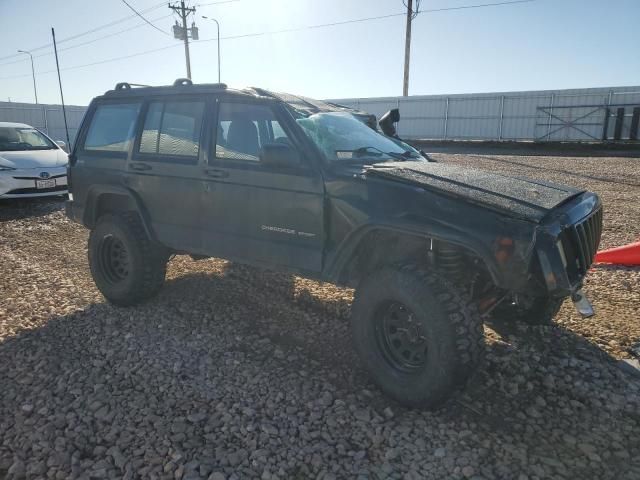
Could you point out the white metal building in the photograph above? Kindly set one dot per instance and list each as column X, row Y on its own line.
column 47, row 118
column 543, row 115
column 590, row 114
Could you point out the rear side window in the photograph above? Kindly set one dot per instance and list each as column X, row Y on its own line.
column 112, row 127
column 172, row 129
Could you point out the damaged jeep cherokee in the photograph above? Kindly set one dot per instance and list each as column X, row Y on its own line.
column 303, row 186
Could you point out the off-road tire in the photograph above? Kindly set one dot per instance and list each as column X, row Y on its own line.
column 146, row 261
column 541, row 311
column 452, row 327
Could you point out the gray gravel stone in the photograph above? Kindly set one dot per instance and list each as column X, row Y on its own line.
column 234, row 373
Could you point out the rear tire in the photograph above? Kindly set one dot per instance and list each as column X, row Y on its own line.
column 127, row 267
column 532, row 311
column 416, row 334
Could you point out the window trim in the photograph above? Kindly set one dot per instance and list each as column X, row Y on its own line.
column 81, row 140
column 187, row 160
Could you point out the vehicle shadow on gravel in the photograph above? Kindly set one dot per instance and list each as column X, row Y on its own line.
column 14, row 209
column 245, row 346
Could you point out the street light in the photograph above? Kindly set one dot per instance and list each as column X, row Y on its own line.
column 218, row 25
column 33, row 73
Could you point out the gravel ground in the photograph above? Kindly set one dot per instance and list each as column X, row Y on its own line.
column 238, row 373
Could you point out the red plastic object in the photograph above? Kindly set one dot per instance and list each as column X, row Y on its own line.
column 625, row 255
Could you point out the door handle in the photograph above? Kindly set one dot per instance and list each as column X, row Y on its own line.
column 213, row 172
column 139, row 166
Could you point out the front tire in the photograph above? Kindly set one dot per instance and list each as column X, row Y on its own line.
column 417, row 336
column 127, row 267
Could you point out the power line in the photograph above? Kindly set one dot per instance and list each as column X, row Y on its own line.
column 215, row 3
column 481, row 5
column 128, row 29
column 273, row 32
column 142, row 17
column 87, row 32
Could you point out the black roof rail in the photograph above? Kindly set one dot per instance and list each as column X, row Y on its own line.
column 124, row 87
column 262, row 92
column 180, row 82
column 127, row 86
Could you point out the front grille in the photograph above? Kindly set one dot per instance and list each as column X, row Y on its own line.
column 580, row 243
column 40, row 178
column 28, row 191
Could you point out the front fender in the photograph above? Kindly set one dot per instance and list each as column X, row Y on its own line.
column 339, row 261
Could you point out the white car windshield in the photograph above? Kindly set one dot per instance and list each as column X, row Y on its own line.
column 342, row 137
column 16, row 139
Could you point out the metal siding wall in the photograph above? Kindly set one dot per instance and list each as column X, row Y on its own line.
column 498, row 116
column 47, row 118
column 489, row 116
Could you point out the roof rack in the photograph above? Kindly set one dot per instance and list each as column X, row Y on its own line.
column 127, row 86
column 182, row 82
column 186, row 82
column 261, row 91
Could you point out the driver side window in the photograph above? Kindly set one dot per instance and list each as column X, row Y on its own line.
column 243, row 129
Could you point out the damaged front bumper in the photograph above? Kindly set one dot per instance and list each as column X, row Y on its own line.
column 566, row 245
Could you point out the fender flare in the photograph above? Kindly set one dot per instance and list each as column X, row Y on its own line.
column 349, row 246
column 134, row 203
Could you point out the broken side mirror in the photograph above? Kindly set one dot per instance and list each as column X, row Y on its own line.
column 387, row 122
column 279, row 155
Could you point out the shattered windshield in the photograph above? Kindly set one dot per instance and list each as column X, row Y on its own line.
column 341, row 137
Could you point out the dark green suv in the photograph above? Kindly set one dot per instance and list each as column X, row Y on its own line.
column 302, row 186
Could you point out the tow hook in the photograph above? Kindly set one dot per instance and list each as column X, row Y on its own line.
column 582, row 304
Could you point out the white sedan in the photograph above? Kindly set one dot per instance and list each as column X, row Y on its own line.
column 31, row 164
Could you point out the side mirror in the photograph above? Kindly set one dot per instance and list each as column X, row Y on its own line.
column 387, row 122
column 279, row 155
column 60, row 143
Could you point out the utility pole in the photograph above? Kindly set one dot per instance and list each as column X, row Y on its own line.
column 411, row 14
column 182, row 32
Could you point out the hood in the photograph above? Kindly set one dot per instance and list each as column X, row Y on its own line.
column 34, row 159
column 520, row 197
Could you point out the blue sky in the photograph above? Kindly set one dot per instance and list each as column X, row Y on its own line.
column 544, row 44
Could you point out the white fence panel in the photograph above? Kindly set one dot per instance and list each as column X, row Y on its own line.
column 47, row 118
column 507, row 116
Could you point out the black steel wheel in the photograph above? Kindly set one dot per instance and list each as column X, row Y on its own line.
column 114, row 259
column 416, row 334
column 126, row 265
column 401, row 336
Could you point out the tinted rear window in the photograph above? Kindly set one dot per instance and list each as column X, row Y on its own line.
column 172, row 128
column 112, row 127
